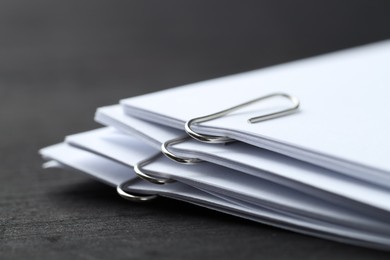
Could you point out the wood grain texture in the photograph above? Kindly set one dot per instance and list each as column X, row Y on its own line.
column 59, row 60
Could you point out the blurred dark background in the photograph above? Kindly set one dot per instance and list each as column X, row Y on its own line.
column 59, row 60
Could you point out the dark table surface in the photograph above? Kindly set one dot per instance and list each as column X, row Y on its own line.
column 59, row 60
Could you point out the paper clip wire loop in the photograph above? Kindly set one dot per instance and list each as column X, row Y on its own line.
column 145, row 176
column 120, row 189
column 185, row 160
column 142, row 173
column 225, row 139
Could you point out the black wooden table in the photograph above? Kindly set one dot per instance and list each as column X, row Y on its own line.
column 59, row 60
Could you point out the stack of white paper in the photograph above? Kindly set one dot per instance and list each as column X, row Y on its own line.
column 323, row 170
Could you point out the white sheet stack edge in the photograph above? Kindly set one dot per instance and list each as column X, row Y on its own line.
column 322, row 171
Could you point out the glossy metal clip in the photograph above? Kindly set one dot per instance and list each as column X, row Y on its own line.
column 145, row 175
column 185, row 160
column 121, row 190
column 225, row 139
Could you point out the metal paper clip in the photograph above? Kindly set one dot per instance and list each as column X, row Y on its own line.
column 225, row 139
column 138, row 168
column 174, row 157
column 120, row 189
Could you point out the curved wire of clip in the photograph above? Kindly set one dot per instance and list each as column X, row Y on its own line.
column 149, row 175
column 225, row 139
column 185, row 160
column 120, row 189
column 145, row 175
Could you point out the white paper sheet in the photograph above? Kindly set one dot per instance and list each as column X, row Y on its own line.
column 343, row 123
column 313, row 180
column 224, row 181
column 97, row 167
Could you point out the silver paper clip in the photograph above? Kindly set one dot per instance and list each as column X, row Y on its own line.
column 138, row 168
column 145, row 175
column 121, row 190
column 224, row 139
column 185, row 160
